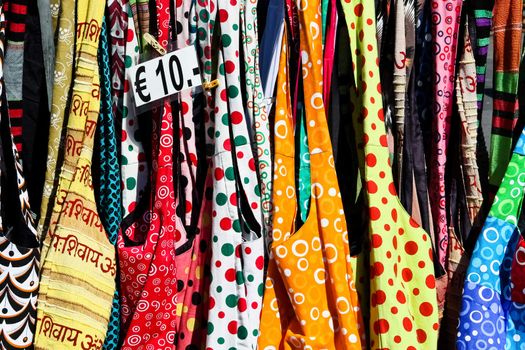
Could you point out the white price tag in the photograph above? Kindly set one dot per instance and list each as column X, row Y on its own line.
column 164, row 76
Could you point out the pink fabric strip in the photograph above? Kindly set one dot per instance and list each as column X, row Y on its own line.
column 445, row 23
column 329, row 51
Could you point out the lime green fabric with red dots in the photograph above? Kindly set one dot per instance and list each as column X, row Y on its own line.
column 403, row 306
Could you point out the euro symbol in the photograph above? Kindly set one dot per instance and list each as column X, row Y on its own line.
column 140, row 85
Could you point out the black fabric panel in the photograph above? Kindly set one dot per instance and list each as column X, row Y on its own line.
column 36, row 116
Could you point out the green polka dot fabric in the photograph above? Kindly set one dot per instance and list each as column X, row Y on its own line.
column 237, row 261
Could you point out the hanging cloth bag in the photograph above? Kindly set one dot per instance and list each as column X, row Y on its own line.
column 78, row 265
column 237, row 261
column 148, row 239
column 492, row 306
column 403, row 307
column 146, row 250
column 310, row 298
column 19, row 248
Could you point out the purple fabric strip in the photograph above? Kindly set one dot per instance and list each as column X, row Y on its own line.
column 485, row 22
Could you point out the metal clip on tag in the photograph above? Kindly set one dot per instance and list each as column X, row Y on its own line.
column 154, row 43
column 208, row 85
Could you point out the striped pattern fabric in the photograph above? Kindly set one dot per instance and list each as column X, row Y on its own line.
column 507, row 43
column 19, row 268
column 482, row 15
column 16, row 11
column 141, row 18
column 483, row 23
column 15, row 114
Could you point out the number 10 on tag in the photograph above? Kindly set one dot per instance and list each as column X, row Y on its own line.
column 164, row 76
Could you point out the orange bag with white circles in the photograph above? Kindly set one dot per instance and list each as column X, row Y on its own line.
column 310, row 301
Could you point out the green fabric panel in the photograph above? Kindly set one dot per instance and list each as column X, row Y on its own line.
column 481, row 69
column 304, row 166
column 508, row 184
column 324, row 14
column 483, row 41
column 506, row 82
column 499, row 164
column 482, row 13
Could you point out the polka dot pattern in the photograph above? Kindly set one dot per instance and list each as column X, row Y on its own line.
column 206, row 12
column 491, row 313
column 236, row 287
column 310, row 298
column 403, row 305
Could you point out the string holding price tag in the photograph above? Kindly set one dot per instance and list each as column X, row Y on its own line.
column 164, row 76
